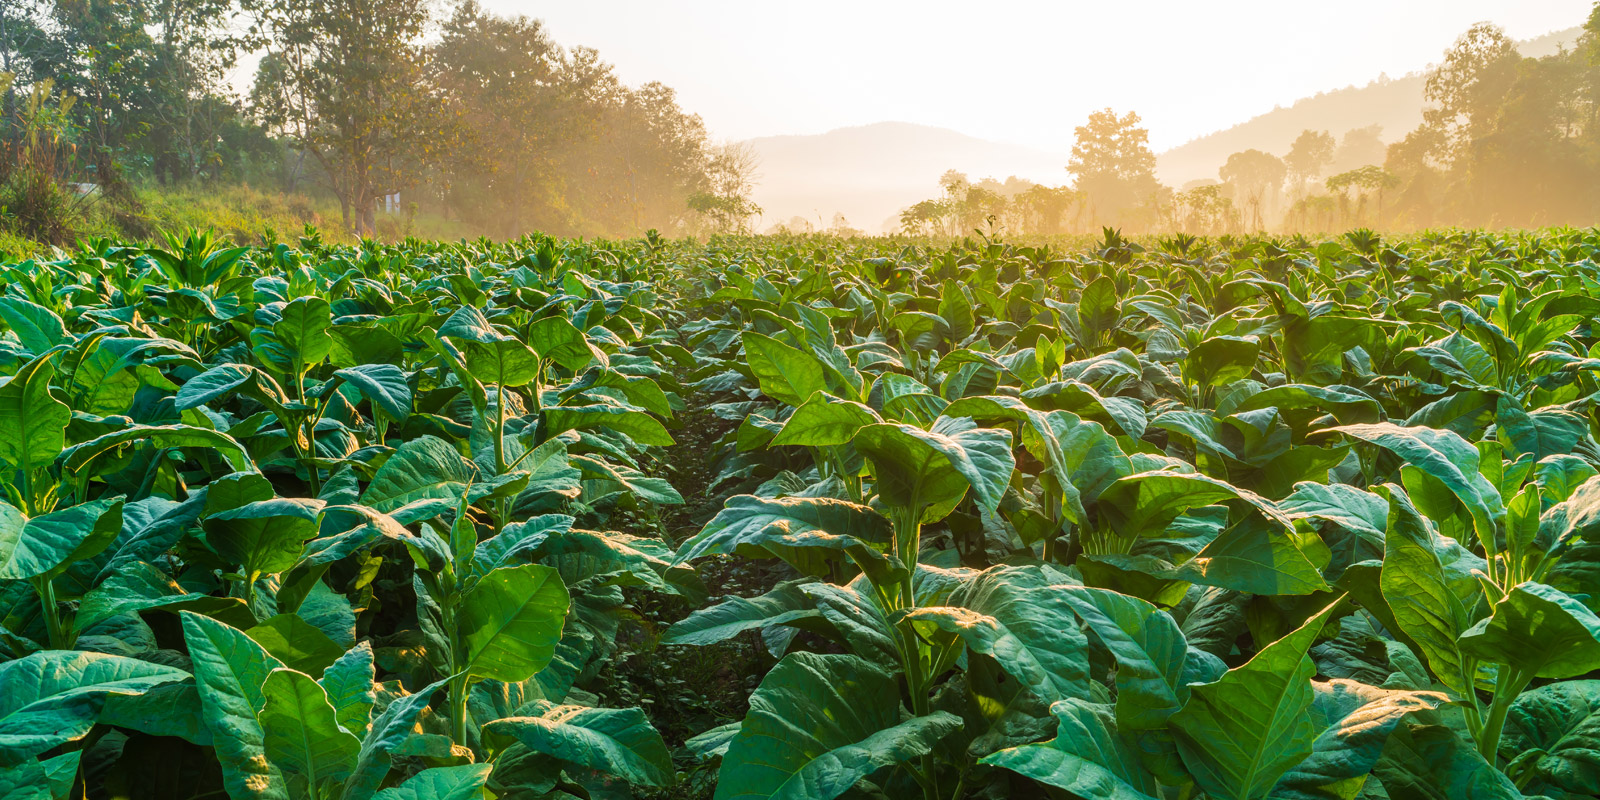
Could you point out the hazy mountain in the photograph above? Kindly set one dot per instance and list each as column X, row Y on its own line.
column 1393, row 103
column 869, row 173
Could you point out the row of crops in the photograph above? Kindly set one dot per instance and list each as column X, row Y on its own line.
column 1241, row 520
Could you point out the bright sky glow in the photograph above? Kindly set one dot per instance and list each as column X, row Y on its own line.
column 1020, row 72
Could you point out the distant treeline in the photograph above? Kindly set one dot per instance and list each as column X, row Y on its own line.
column 1506, row 141
column 465, row 114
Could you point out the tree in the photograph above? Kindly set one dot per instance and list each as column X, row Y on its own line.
column 730, row 179
column 349, row 83
column 1255, row 176
column 1359, row 147
column 922, row 218
column 1042, row 207
column 504, row 71
column 1112, row 164
column 1310, row 153
column 1203, row 209
column 1467, row 87
column 1366, row 180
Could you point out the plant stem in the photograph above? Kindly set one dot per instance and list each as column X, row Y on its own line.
column 908, row 535
column 458, row 708
column 500, row 429
column 52, row 613
column 1507, row 685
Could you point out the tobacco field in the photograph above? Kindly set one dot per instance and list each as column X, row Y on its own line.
column 802, row 517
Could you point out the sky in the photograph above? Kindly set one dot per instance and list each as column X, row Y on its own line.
column 1018, row 72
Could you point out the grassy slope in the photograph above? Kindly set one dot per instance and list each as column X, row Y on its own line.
column 240, row 213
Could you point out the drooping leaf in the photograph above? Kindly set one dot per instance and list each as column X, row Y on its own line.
column 229, row 671
column 615, row 742
column 47, row 545
column 1540, row 630
column 33, row 424
column 817, row 725
column 303, row 735
column 53, row 697
column 441, row 783
column 1017, row 616
column 930, row 470
column 1087, row 758
column 1240, row 734
column 510, row 622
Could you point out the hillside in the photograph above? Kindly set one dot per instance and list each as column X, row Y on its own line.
column 869, row 173
column 1393, row 103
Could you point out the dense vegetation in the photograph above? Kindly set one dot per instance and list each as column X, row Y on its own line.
column 370, row 112
column 1233, row 519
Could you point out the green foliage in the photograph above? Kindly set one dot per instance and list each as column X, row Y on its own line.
column 402, row 522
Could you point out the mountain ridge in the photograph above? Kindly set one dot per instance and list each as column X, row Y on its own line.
column 870, row 172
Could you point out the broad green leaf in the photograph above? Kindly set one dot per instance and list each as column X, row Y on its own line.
column 395, row 725
column 226, row 380
column 1347, row 404
column 1097, row 306
column 296, row 643
column 383, row 384
column 47, row 545
column 632, row 423
column 1145, row 504
column 557, row 340
column 302, row 732
column 441, row 783
column 1543, row 433
column 614, row 742
column 510, row 622
column 1355, row 723
column 928, row 471
column 265, row 537
column 1434, row 762
column 26, row 781
column 1538, row 630
column 137, row 585
column 229, row 672
column 784, row 603
column 1221, row 360
column 785, row 374
column 37, row 327
column 425, row 468
column 1426, row 603
column 1353, row 509
column 1087, row 758
column 53, row 697
column 235, row 490
column 355, row 345
column 1017, row 616
column 786, row 523
column 817, row 725
column 1239, row 734
column 303, row 330
column 1445, row 456
column 1560, row 724
column 1261, row 556
column 348, row 682
column 502, row 362
column 824, row 421
column 33, row 424
column 1149, row 649
column 76, row 457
